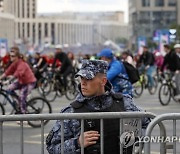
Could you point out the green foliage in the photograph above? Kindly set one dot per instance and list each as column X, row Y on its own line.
column 151, row 44
column 120, row 40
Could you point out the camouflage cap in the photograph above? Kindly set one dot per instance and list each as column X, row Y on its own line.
column 90, row 68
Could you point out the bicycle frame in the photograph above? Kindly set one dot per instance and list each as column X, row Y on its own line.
column 7, row 95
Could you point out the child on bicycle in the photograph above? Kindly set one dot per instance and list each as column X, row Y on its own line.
column 25, row 78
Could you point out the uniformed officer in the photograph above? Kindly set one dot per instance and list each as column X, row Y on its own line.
column 95, row 95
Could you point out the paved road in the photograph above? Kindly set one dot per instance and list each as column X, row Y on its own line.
column 32, row 135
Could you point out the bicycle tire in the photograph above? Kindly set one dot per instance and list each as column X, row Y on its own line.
column 138, row 89
column 51, row 96
column 2, row 110
column 71, row 91
column 44, row 86
column 5, row 99
column 164, row 91
column 38, row 105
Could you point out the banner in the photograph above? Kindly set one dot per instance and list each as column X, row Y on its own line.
column 163, row 39
column 141, row 42
column 3, row 47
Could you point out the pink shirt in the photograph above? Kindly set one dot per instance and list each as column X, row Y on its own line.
column 21, row 70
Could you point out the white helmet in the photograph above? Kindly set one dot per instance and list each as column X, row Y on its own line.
column 58, row 46
column 177, row 46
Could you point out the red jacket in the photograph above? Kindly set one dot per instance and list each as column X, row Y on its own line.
column 21, row 70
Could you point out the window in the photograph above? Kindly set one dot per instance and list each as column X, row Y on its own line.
column 172, row 3
column 159, row 2
column 145, row 3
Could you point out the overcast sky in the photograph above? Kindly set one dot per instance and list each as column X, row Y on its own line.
column 52, row 6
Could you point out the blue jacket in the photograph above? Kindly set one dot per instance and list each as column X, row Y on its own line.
column 119, row 78
column 72, row 128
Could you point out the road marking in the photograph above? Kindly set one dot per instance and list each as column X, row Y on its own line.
column 39, row 135
column 33, row 142
column 14, row 124
column 157, row 108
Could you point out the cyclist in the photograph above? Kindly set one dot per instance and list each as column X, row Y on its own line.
column 40, row 64
column 25, row 78
column 66, row 65
column 116, row 74
column 146, row 64
column 177, row 49
column 172, row 61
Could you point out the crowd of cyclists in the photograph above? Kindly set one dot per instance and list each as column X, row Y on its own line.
column 29, row 69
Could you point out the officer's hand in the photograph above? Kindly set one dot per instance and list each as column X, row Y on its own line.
column 90, row 138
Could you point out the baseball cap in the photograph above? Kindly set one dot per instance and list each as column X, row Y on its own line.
column 90, row 68
column 177, row 46
column 105, row 53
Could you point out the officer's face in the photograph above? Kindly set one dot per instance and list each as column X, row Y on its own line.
column 93, row 87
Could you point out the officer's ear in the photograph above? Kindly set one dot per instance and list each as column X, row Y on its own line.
column 104, row 81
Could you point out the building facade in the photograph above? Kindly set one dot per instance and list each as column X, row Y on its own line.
column 146, row 16
column 62, row 29
column 7, row 27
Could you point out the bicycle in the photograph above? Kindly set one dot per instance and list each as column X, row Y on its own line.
column 167, row 89
column 52, row 86
column 143, row 84
column 35, row 105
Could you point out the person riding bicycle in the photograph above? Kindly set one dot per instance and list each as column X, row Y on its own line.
column 172, row 61
column 146, row 64
column 40, row 65
column 116, row 73
column 25, row 78
column 66, row 65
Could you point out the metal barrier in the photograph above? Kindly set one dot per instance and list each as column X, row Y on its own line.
column 154, row 122
column 124, row 120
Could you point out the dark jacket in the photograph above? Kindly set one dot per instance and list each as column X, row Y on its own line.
column 65, row 61
column 147, row 58
column 72, row 128
column 172, row 61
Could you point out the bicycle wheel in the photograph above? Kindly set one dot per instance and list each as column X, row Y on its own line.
column 38, row 105
column 138, row 89
column 164, row 94
column 4, row 101
column 71, row 91
column 51, row 96
column 44, row 86
column 2, row 110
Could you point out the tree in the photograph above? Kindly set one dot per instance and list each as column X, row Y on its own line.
column 121, row 40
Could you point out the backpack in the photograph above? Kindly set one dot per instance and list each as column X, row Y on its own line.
column 132, row 72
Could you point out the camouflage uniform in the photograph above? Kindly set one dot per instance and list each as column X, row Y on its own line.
column 95, row 103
